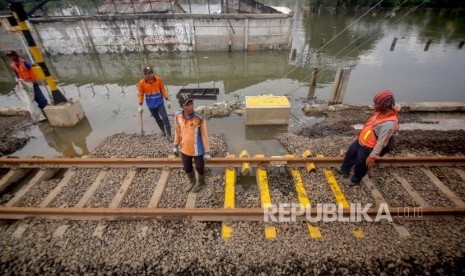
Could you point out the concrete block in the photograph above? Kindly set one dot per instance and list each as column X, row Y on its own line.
column 65, row 115
column 433, row 107
column 267, row 110
column 13, row 111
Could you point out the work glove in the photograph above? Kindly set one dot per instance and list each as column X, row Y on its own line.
column 140, row 109
column 370, row 162
column 176, row 150
column 207, row 156
column 168, row 103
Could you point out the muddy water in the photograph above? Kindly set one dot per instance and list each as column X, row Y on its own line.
column 414, row 70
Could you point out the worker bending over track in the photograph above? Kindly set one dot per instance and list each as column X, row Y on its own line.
column 153, row 88
column 190, row 132
column 375, row 140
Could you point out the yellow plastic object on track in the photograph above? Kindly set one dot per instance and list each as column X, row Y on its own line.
column 310, row 166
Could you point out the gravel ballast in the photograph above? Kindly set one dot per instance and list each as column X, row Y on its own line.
column 148, row 247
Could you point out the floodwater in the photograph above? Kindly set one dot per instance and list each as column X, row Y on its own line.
column 413, row 68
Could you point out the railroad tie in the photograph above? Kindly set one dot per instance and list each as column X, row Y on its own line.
column 443, row 188
column 42, row 175
column 18, row 233
column 116, row 202
column 379, row 199
column 265, row 199
column 11, row 177
column 229, row 199
column 339, row 196
column 313, row 231
column 461, row 173
column 158, row 191
column 64, row 181
column 414, row 194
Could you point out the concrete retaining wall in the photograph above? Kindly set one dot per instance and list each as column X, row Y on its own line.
column 162, row 33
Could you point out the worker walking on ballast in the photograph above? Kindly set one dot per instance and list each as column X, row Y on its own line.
column 375, row 140
column 190, row 132
column 153, row 89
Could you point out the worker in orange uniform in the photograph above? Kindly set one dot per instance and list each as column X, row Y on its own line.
column 190, row 132
column 153, row 89
column 375, row 139
column 22, row 69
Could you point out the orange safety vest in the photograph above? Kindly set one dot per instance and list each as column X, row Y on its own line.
column 23, row 72
column 367, row 136
column 191, row 134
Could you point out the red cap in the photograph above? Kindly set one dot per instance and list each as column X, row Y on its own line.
column 384, row 98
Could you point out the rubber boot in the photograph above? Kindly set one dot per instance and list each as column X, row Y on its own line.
column 200, row 183
column 191, row 181
column 168, row 132
column 162, row 127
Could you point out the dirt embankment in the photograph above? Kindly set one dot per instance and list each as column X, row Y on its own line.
column 12, row 137
column 443, row 142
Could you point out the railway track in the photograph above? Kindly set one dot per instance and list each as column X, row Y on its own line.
column 31, row 172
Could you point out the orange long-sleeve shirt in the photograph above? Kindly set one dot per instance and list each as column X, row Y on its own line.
column 154, row 92
column 191, row 133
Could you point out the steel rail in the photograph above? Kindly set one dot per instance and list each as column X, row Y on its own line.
column 219, row 162
column 218, row 214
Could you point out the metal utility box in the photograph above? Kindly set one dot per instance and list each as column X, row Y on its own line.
column 267, row 110
column 200, row 93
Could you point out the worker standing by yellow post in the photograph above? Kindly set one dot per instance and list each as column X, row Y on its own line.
column 22, row 69
column 21, row 17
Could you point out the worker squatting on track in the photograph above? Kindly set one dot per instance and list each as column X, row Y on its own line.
column 153, row 89
column 375, row 140
column 23, row 71
column 190, row 132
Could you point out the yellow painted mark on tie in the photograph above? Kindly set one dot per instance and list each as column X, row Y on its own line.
column 314, row 231
column 229, row 199
column 339, row 195
column 358, row 233
column 262, row 179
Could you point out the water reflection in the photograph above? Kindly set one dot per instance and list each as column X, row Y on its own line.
column 236, row 70
column 69, row 141
column 265, row 132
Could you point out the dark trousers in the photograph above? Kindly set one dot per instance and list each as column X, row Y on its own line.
column 357, row 155
column 187, row 163
column 39, row 97
column 160, row 115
